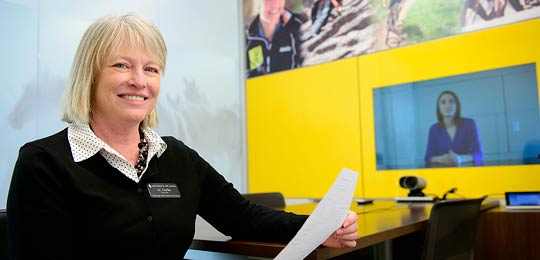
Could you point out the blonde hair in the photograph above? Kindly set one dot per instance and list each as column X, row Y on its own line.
column 99, row 41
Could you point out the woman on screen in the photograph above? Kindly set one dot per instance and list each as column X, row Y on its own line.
column 453, row 140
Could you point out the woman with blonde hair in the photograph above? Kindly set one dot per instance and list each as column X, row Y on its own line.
column 108, row 186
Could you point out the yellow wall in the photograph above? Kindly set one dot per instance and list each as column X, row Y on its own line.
column 304, row 125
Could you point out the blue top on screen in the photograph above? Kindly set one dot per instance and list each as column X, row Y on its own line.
column 466, row 141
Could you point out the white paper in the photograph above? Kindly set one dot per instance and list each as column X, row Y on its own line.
column 327, row 217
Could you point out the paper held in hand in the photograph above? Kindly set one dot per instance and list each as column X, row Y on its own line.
column 325, row 219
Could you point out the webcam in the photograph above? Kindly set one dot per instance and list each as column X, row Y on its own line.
column 414, row 184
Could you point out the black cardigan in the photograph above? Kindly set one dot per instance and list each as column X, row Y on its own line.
column 60, row 209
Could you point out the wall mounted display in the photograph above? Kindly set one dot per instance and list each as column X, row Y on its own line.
column 285, row 34
column 476, row 119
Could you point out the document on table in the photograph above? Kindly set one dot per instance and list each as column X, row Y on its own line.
column 325, row 219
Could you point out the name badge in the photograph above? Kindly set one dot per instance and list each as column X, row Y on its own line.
column 285, row 49
column 163, row 190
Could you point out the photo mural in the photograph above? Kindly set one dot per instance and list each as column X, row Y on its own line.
column 287, row 34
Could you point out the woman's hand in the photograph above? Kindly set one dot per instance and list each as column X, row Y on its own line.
column 447, row 159
column 346, row 235
column 454, row 158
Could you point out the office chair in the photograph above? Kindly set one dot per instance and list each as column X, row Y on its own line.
column 3, row 235
column 268, row 199
column 451, row 232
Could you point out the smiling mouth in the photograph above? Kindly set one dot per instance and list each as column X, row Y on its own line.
column 135, row 98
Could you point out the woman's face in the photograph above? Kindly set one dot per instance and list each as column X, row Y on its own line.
column 271, row 10
column 127, row 87
column 447, row 105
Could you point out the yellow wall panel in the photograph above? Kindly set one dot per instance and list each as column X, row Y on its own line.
column 504, row 46
column 304, row 125
column 302, row 128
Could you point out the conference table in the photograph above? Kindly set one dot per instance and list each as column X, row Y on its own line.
column 394, row 230
column 379, row 222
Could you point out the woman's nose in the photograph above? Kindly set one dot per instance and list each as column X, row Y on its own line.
column 138, row 78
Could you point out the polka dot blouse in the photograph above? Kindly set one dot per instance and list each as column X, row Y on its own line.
column 84, row 144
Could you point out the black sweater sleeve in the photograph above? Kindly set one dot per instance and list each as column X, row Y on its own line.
column 229, row 212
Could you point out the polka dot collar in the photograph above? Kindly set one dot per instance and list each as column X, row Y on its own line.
column 85, row 144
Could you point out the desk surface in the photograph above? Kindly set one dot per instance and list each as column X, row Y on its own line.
column 378, row 222
column 508, row 234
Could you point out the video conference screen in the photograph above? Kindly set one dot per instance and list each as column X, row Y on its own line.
column 478, row 119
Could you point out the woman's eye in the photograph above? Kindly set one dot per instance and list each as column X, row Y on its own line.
column 152, row 70
column 120, row 65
